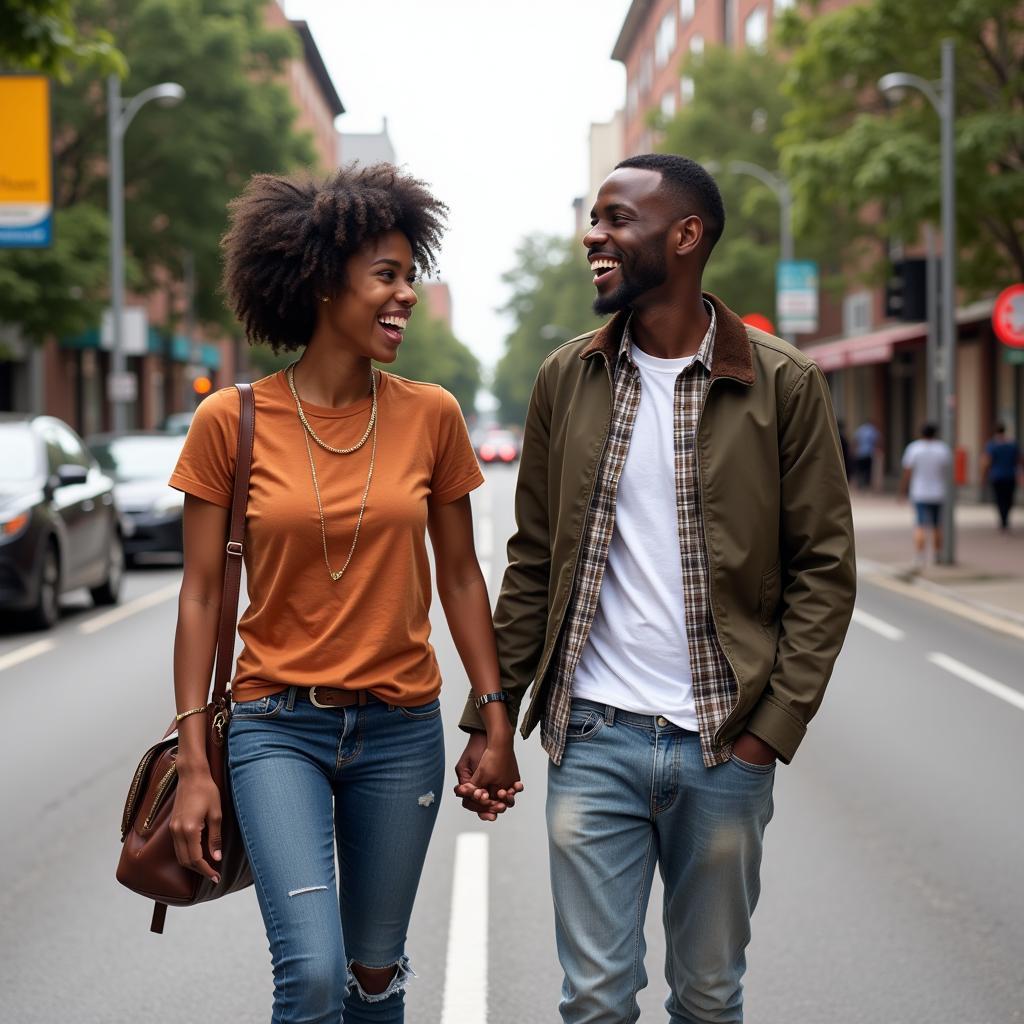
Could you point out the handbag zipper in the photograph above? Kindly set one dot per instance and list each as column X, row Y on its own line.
column 133, row 790
column 161, row 791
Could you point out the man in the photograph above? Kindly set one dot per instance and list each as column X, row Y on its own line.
column 866, row 439
column 679, row 585
column 926, row 467
column 1000, row 465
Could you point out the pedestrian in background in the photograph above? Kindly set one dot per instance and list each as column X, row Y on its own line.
column 926, row 469
column 1000, row 464
column 679, row 626
column 844, row 444
column 867, row 439
column 335, row 737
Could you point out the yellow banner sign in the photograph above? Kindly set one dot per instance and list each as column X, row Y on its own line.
column 26, row 162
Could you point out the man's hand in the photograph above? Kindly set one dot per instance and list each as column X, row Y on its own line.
column 752, row 749
column 476, row 799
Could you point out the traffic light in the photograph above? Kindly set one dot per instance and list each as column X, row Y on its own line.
column 202, row 385
column 906, row 291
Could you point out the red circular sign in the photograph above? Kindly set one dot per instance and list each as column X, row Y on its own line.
column 761, row 322
column 1008, row 316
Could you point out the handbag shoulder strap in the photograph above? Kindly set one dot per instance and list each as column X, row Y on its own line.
column 236, row 532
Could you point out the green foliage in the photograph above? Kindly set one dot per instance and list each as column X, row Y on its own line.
column 846, row 149
column 58, row 290
column 41, row 36
column 431, row 352
column 551, row 301
column 182, row 164
column 735, row 113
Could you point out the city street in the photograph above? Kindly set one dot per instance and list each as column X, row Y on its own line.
column 893, row 881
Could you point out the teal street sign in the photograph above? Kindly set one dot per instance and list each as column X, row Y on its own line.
column 796, row 296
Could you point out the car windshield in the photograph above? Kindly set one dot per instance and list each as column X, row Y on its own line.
column 500, row 437
column 139, row 458
column 18, row 454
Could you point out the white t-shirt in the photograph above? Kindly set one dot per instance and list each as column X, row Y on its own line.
column 928, row 462
column 637, row 657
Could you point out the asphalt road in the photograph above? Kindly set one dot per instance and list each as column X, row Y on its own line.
column 893, row 882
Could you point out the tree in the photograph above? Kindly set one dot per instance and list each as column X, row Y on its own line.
column 41, row 35
column 735, row 113
column 182, row 164
column 551, row 302
column 431, row 352
column 846, row 150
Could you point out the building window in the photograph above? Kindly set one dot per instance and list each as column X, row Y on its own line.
column 668, row 105
column 686, row 88
column 728, row 22
column 632, row 100
column 755, row 29
column 646, row 75
column 686, row 10
column 784, row 5
column 665, row 40
column 697, row 45
column 857, row 313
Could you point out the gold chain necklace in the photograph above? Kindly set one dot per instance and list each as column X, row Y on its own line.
column 306, row 434
column 290, row 376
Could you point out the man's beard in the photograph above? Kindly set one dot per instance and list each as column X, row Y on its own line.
column 645, row 275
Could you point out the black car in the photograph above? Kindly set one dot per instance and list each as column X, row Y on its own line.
column 59, row 527
column 141, row 463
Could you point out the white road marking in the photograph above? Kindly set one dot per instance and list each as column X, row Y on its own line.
column 978, row 679
column 485, row 541
column 20, row 654
column 877, row 625
column 465, row 983
column 140, row 604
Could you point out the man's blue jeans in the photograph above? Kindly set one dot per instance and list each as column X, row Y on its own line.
column 368, row 778
column 632, row 791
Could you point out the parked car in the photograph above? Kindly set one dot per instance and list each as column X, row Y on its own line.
column 151, row 512
column 178, row 422
column 59, row 527
column 498, row 446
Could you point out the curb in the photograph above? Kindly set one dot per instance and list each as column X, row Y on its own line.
column 1001, row 620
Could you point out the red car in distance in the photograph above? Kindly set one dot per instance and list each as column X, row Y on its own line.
column 500, row 446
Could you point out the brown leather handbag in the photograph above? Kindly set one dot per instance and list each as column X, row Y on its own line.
column 148, row 865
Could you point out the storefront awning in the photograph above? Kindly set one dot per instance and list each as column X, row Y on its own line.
column 864, row 349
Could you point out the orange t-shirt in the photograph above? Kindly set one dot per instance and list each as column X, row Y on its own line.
column 370, row 630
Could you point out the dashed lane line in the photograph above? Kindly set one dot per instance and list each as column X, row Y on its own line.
column 465, row 983
column 983, row 682
column 140, row 604
column 877, row 625
column 22, row 654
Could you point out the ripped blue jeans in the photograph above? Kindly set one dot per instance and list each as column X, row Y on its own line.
column 367, row 779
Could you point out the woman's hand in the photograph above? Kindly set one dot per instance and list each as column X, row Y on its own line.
column 497, row 774
column 197, row 807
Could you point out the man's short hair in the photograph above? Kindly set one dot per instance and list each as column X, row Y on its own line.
column 686, row 180
column 929, row 430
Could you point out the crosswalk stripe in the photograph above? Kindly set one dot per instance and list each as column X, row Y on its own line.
column 465, row 984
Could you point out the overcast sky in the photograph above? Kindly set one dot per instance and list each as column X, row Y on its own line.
column 491, row 104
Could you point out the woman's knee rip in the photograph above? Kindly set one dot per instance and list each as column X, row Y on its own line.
column 375, row 984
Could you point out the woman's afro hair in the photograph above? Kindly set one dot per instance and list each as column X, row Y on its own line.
column 289, row 239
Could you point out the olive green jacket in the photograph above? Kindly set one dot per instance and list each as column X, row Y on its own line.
column 776, row 517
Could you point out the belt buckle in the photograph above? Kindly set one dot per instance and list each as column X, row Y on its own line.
column 315, row 702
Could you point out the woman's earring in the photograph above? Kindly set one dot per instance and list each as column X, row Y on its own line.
column 325, row 299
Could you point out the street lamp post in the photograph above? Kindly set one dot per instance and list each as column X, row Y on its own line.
column 119, row 117
column 783, row 193
column 942, row 96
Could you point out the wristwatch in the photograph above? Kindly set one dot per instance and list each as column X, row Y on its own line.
column 479, row 702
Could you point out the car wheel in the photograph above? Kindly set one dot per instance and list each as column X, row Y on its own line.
column 109, row 591
column 47, row 607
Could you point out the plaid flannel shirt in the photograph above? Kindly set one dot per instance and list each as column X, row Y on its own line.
column 714, row 684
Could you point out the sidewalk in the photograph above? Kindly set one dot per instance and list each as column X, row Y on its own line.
column 989, row 570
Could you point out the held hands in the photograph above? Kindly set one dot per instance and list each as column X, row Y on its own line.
column 488, row 776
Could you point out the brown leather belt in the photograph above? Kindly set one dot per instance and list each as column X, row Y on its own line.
column 332, row 697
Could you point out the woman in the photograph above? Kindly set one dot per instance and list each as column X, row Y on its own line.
column 335, row 735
